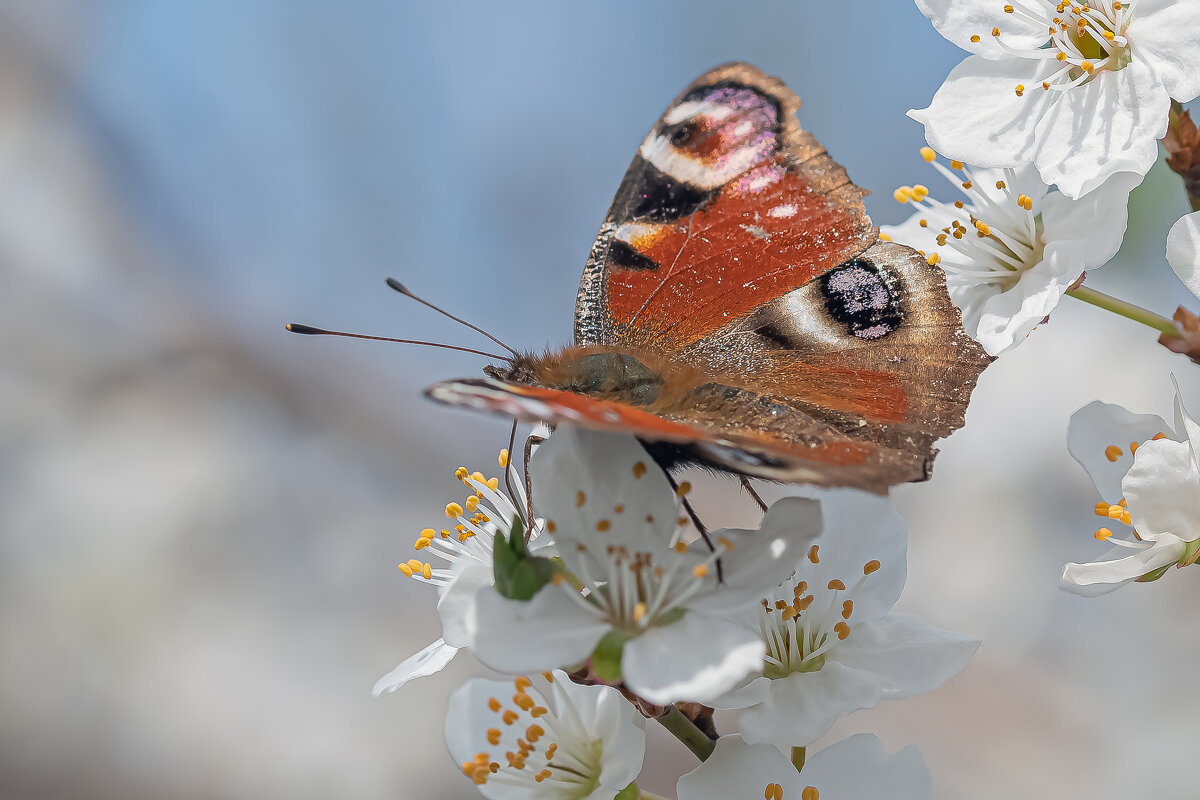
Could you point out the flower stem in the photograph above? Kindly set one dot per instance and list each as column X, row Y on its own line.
column 686, row 731
column 1127, row 310
column 798, row 754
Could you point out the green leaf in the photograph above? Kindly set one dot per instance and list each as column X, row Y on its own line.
column 517, row 575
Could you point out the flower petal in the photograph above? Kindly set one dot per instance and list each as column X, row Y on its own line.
column 1166, row 550
column 1006, row 318
column 858, row 767
column 977, row 117
column 906, row 654
column 581, row 477
column 695, row 659
column 1107, row 125
column 859, row 528
column 804, row 705
column 1096, row 427
column 1165, row 34
column 457, row 600
column 1183, row 250
column 610, row 717
column 550, row 630
column 429, row 661
column 760, row 560
column 959, row 20
column 1163, row 490
column 1094, row 224
column 736, row 769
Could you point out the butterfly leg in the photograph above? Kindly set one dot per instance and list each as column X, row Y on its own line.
column 750, row 491
column 530, row 441
column 512, row 440
column 700, row 526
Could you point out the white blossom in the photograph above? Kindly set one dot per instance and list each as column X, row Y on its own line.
column 516, row 743
column 465, row 550
column 832, row 643
column 1080, row 90
column 1148, row 475
column 1012, row 247
column 856, row 768
column 638, row 601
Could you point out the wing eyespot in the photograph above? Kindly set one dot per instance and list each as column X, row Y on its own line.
column 864, row 298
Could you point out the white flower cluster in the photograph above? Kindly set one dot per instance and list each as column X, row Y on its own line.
column 791, row 623
column 1050, row 123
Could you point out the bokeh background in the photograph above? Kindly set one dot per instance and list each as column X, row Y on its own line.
column 201, row 515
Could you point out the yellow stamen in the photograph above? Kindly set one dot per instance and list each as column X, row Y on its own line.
column 1112, row 452
column 982, row 227
column 810, row 793
column 684, row 489
column 503, row 459
column 639, row 612
column 870, row 567
column 1103, row 534
column 603, row 525
column 928, row 154
column 454, row 510
column 639, row 469
column 836, row 585
column 843, row 630
column 580, row 499
column 934, row 259
column 700, row 570
column 812, row 554
column 847, row 609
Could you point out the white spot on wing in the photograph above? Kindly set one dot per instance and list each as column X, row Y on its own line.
column 783, row 211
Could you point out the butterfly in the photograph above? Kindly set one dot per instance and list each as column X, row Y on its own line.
column 739, row 311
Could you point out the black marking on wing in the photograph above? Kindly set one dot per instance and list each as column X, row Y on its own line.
column 861, row 296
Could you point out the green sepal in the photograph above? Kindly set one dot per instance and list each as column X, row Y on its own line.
column 1154, row 574
column 1191, row 552
column 606, row 658
column 518, row 575
column 630, row 792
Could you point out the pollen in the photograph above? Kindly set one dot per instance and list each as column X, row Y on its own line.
column 927, row 152
column 454, row 510
column 461, row 473
column 1112, row 452
column 812, row 554
column 1103, row 534
column 983, row 228
column 1025, row 202
column 700, row 570
column 843, row 630
column 509, row 716
column 836, row 585
column 810, row 793
column 934, row 259
column 503, row 459
column 603, row 525
column 847, row 609
column 956, row 165
column 639, row 469
column 639, row 612
column 494, row 704
column 1133, row 446
column 680, row 547
column 493, row 736
column 773, row 792
column 619, row 508
column 884, row 237
column 1020, row 90
column 902, row 194
column 684, row 489
column 995, row 31
column 870, row 566
column 493, row 483
column 920, row 192
column 1102, row 509
column 975, row 38
column 1008, row 9
column 580, row 499
column 522, row 683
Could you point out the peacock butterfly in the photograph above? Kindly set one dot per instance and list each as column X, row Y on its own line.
column 739, row 310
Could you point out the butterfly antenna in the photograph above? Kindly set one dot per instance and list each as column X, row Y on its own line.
column 402, row 289
column 308, row 330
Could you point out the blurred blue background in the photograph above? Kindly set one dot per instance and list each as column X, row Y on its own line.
column 201, row 515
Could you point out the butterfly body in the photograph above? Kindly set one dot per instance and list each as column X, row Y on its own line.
column 739, row 310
